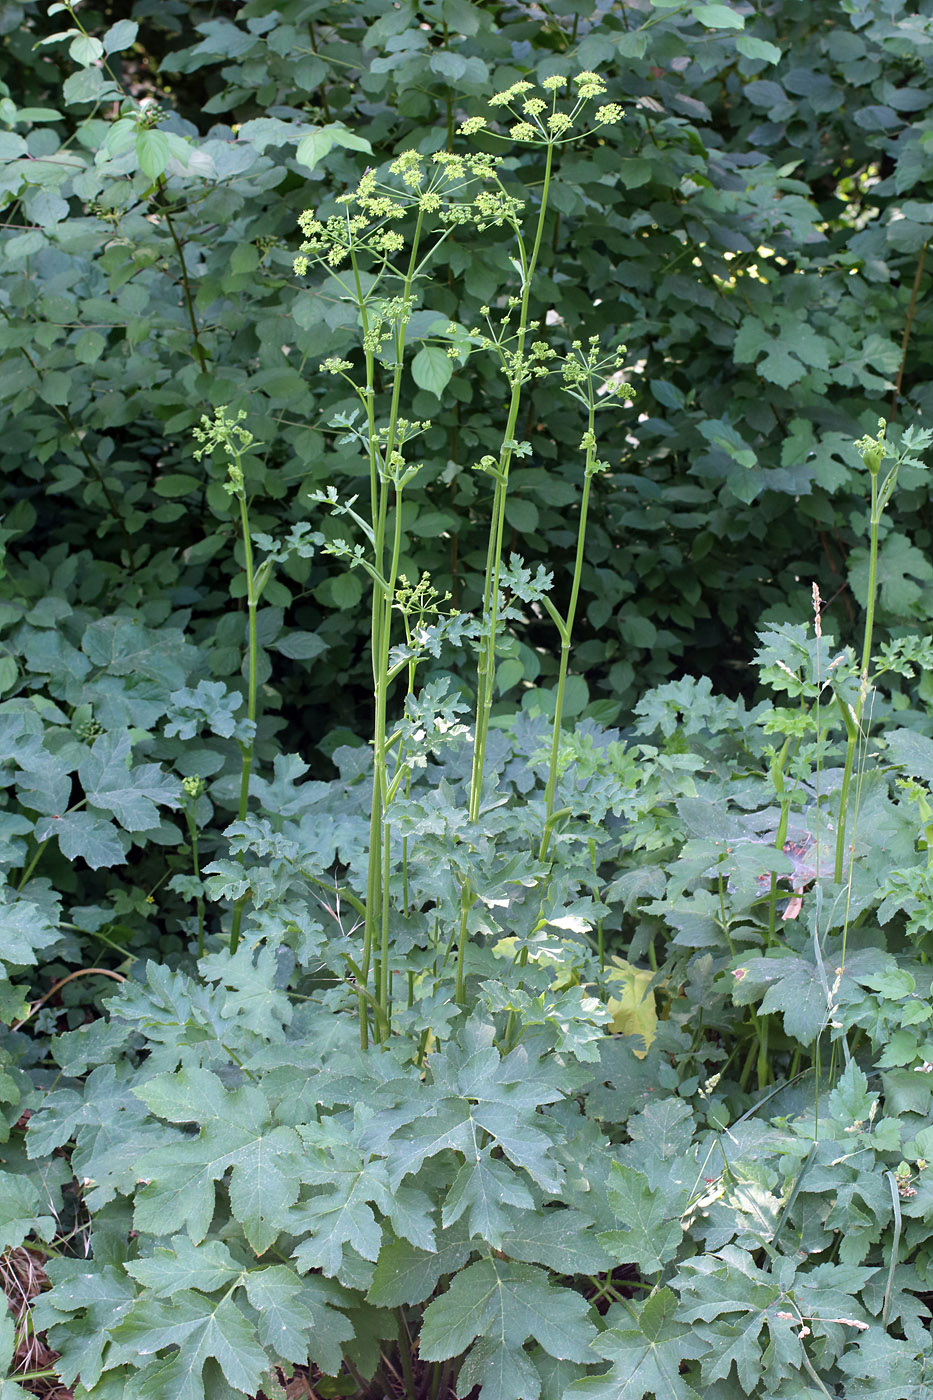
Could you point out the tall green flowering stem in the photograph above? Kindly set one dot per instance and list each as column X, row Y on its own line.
column 873, row 452
column 358, row 238
column 583, row 375
column 388, row 477
column 550, row 130
column 595, row 384
column 535, row 125
column 519, row 372
column 222, row 431
column 362, row 238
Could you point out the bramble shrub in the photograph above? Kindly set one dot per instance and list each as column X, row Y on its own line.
column 410, row 985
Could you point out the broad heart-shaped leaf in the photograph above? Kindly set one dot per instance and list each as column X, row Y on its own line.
column 503, row 1304
column 130, row 794
column 200, row 1328
column 651, row 1236
column 236, row 1132
column 431, row 369
column 299, row 1318
column 126, row 647
column 646, row 1360
column 315, row 146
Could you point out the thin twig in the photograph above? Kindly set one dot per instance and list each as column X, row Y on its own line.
column 81, row 972
column 186, row 286
column 911, row 312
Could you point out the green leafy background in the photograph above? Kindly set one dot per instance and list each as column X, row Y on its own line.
column 222, row 1185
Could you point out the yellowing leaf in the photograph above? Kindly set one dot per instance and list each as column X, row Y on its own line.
column 634, row 1011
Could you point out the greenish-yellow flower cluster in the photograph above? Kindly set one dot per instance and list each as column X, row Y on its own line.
column 431, row 185
column 222, row 431
column 535, row 122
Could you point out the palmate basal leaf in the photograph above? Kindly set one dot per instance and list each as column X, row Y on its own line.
column 522, row 1135
column 653, row 1229
column 562, row 1239
column 183, row 1265
column 300, row 1318
column 646, row 1359
column 483, row 1189
column 236, row 1134
column 731, row 1302
column 344, row 1216
column 501, row 1372
column 200, row 1328
column 882, row 1367
column 406, row 1274
column 85, row 1301
column 25, row 929
column 351, row 1181
column 503, row 1304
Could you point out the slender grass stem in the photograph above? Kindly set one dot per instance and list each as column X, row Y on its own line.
column 853, row 729
column 185, row 282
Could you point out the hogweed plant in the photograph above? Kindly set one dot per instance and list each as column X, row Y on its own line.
column 873, row 451
column 827, row 683
column 225, row 433
column 595, row 384
column 549, row 129
column 380, row 270
column 670, row 1134
column 228, row 433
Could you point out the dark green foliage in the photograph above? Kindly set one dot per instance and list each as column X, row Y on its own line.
column 750, row 230
column 643, row 1104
